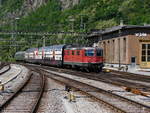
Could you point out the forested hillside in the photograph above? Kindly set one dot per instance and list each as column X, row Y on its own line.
column 67, row 15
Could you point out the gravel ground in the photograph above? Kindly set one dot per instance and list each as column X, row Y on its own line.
column 115, row 89
column 4, row 69
column 54, row 101
column 25, row 100
column 14, row 85
column 11, row 74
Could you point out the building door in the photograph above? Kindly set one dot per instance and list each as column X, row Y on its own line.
column 133, row 61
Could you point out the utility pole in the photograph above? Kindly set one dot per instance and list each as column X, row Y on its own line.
column 71, row 19
column 81, row 22
column 43, row 41
column 37, row 43
column 16, row 31
column 84, row 26
column 43, row 47
column 12, row 29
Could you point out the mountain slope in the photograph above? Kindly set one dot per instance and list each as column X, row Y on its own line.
column 71, row 15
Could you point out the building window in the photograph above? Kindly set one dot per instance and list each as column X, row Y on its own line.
column 143, row 58
column 148, row 46
column 99, row 52
column 148, row 52
column 148, row 58
column 145, row 53
column 143, row 46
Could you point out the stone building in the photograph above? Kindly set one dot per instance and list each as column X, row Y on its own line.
column 124, row 45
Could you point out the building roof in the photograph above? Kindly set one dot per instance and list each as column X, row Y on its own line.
column 116, row 28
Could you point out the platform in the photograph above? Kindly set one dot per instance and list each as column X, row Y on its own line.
column 135, row 70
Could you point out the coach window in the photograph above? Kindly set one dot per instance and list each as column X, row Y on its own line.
column 78, row 52
column 68, row 52
column 72, row 52
column 89, row 52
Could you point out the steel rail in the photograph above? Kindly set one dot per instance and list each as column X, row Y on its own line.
column 36, row 105
column 9, row 67
column 104, row 77
column 36, row 99
column 2, row 106
column 77, row 85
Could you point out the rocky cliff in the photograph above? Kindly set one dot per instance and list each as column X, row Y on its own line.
column 64, row 3
column 31, row 5
column 68, row 3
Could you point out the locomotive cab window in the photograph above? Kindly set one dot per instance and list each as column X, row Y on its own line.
column 89, row 52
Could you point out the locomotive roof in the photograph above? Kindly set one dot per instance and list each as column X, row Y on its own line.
column 79, row 48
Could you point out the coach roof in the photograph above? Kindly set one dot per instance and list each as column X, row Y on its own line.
column 31, row 49
column 53, row 47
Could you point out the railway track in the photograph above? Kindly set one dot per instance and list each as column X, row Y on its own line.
column 7, row 68
column 55, row 100
column 27, row 98
column 4, row 67
column 129, row 75
column 118, row 103
column 139, row 82
column 2, row 64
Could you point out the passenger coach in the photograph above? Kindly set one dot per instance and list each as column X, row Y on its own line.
column 52, row 55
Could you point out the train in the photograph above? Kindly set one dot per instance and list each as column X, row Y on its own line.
column 64, row 56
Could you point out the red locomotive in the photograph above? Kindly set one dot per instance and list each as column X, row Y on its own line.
column 88, row 58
